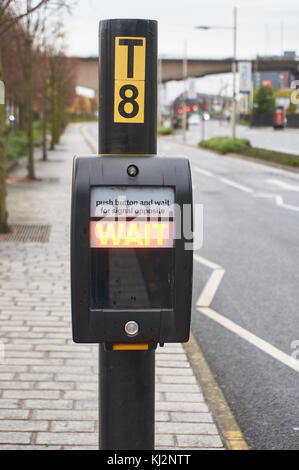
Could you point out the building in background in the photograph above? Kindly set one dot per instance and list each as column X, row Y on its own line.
column 276, row 79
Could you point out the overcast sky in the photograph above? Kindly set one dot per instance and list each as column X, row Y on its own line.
column 264, row 26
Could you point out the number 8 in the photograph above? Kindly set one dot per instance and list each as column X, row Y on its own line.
column 126, row 99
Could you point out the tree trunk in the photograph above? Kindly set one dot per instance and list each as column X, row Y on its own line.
column 53, row 117
column 44, row 135
column 3, row 211
column 44, row 119
column 22, row 119
column 29, row 105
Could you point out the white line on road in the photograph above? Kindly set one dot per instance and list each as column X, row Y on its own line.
column 204, row 302
column 223, row 180
column 288, row 173
column 209, row 291
column 283, row 184
column 202, row 171
column 206, row 262
column 277, row 197
column 236, row 185
column 251, row 338
column 279, row 201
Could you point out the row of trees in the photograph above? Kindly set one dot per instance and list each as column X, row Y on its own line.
column 39, row 79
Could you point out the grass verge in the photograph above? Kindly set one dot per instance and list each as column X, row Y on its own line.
column 225, row 145
column 164, row 130
column 17, row 142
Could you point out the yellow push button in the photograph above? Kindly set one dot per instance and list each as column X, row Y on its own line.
column 130, row 347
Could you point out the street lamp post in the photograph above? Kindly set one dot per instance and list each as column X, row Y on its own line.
column 185, row 75
column 234, row 66
column 234, row 116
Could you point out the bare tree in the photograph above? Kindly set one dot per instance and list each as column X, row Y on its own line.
column 51, row 52
column 35, row 25
column 27, row 12
column 8, row 18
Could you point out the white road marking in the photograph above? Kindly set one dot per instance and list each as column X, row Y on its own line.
column 206, row 262
column 283, row 184
column 277, row 197
column 204, row 302
column 224, row 180
column 202, row 171
column 279, row 201
column 236, row 185
column 209, row 291
column 251, row 338
column 271, row 169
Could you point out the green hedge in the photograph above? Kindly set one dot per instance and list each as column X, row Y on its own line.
column 226, row 145
column 164, row 130
column 242, row 146
column 276, row 157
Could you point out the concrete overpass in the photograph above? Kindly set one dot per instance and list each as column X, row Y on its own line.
column 172, row 69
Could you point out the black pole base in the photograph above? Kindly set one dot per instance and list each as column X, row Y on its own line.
column 126, row 400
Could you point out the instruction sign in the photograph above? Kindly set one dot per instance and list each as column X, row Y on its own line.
column 126, row 217
column 129, row 79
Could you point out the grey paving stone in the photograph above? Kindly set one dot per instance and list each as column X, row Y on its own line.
column 23, row 425
column 15, row 437
column 73, row 426
column 185, row 397
column 186, row 428
column 48, row 404
column 67, row 438
column 181, row 406
column 198, row 442
column 48, row 384
column 191, row 417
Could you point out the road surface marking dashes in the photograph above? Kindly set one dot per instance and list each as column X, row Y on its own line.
column 283, row 185
column 279, row 201
column 205, row 300
column 209, row 291
column 251, row 338
column 236, row 185
column 276, row 197
column 203, row 172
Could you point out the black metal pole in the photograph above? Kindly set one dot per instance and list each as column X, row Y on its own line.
column 127, row 404
column 121, row 130
column 127, row 125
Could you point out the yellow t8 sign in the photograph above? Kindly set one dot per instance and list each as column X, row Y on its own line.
column 129, row 79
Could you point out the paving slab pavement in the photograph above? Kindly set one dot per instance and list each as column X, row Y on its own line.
column 48, row 384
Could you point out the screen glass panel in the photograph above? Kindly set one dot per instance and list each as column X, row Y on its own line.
column 131, row 248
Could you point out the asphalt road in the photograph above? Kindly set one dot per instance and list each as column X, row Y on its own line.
column 246, row 295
